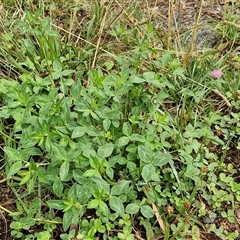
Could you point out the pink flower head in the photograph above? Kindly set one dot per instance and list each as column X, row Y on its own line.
column 216, row 74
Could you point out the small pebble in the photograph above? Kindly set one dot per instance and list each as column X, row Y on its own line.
column 210, row 218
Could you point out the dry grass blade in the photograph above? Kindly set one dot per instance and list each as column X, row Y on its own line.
column 194, row 36
column 170, row 19
column 82, row 39
column 232, row 24
column 100, row 34
column 159, row 219
column 3, row 180
column 132, row 20
column 223, row 97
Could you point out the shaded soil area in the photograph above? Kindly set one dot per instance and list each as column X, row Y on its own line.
column 7, row 201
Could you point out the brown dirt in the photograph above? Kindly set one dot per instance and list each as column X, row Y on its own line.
column 7, row 201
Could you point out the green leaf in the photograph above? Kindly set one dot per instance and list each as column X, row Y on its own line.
column 145, row 154
column 56, row 75
column 137, row 138
column 175, row 173
column 147, row 172
column 149, row 75
column 12, row 153
column 4, row 113
column 192, row 172
column 116, row 204
column 161, row 96
column 58, row 187
column 78, row 132
column 92, row 131
column 147, row 211
column 122, row 141
column 120, row 187
column 93, row 203
column 135, row 79
column 65, row 110
column 76, row 89
column 67, row 72
column 91, row 173
column 57, row 66
column 110, row 172
column 103, row 207
column 127, row 129
column 56, row 204
column 132, row 208
column 114, row 114
column 64, row 169
column 58, row 151
column 67, row 219
column 132, row 148
column 179, row 71
column 109, row 65
column 117, row 159
column 14, row 169
column 102, row 185
column 68, row 82
column 25, row 178
column 31, row 184
column 106, row 124
column 44, row 235
column 105, row 150
column 162, row 159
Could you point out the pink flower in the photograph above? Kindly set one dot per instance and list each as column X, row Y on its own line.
column 216, row 74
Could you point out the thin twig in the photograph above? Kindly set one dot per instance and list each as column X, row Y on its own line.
column 3, row 180
column 223, row 97
column 137, row 234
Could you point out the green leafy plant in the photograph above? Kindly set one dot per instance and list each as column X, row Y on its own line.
column 99, row 150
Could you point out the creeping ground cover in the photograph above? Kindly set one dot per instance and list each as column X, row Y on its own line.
column 114, row 126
